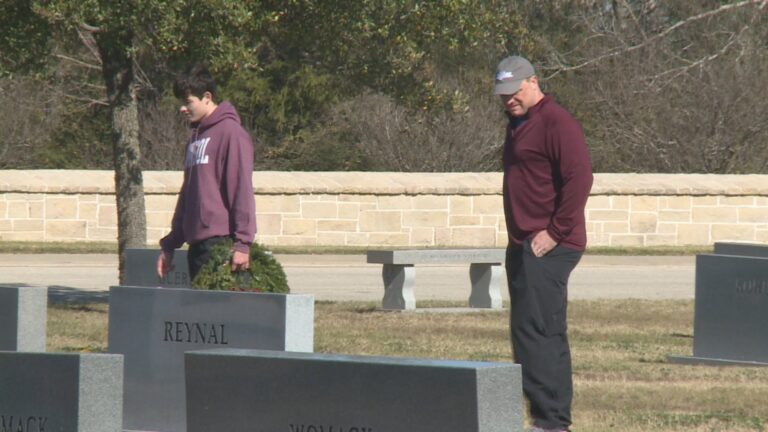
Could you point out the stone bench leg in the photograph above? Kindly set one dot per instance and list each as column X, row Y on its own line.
column 485, row 286
column 398, row 286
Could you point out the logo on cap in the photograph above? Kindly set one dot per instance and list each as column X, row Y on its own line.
column 504, row 75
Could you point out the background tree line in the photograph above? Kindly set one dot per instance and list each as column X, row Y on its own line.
column 404, row 85
column 660, row 86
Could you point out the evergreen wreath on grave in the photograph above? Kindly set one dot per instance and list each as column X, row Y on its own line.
column 264, row 273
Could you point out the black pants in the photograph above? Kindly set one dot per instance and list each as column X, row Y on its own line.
column 199, row 254
column 538, row 290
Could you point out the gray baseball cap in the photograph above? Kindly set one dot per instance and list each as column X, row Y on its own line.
column 510, row 72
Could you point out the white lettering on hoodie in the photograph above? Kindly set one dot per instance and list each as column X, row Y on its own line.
column 196, row 153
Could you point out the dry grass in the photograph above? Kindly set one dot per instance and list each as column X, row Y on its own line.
column 622, row 379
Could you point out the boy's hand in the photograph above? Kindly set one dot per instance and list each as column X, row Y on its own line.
column 165, row 263
column 239, row 261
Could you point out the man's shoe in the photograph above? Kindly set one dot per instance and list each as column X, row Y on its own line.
column 538, row 429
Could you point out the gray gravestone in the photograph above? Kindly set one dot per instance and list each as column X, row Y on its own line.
column 399, row 274
column 741, row 249
column 141, row 269
column 61, row 392
column 23, row 318
column 731, row 311
column 153, row 327
column 266, row 391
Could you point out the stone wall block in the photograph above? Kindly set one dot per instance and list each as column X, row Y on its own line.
column 331, row 239
column 422, row 237
column 473, row 237
column 65, row 230
column 455, row 221
column 107, row 215
column 425, row 218
column 601, row 202
column 381, row 221
column 60, row 207
column 644, row 203
column 88, row 211
column 620, row 202
column 348, row 210
column 269, row 224
column 395, row 202
column 299, row 227
column 28, row 225
column 460, row 205
column 336, row 226
column 693, row 234
column 608, row 215
column 278, row 204
column 487, row 205
column 389, row 239
column 733, row 232
column 430, row 202
column 674, row 215
column 642, row 223
column 627, row 240
column 739, row 201
column 676, row 203
column 715, row 214
column 319, row 210
column 753, row 214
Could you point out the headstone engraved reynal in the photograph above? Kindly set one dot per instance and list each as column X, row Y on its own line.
column 140, row 265
column 153, row 327
column 265, row 391
column 60, row 392
column 23, row 318
column 731, row 309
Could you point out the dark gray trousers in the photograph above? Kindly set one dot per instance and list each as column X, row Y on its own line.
column 538, row 291
column 199, row 254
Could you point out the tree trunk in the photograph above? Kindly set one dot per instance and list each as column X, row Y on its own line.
column 117, row 67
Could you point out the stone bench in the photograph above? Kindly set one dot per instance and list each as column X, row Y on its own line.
column 399, row 274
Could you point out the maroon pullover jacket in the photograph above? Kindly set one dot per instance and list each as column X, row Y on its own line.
column 547, row 176
column 216, row 198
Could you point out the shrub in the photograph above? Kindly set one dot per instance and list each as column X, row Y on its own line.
column 264, row 273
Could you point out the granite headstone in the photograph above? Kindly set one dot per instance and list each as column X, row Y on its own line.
column 153, row 327
column 141, row 264
column 741, row 249
column 23, row 318
column 731, row 311
column 61, row 392
column 266, row 391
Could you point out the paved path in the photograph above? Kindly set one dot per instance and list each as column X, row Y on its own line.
column 349, row 277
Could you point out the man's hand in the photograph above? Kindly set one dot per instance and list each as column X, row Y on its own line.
column 165, row 263
column 542, row 243
column 240, row 261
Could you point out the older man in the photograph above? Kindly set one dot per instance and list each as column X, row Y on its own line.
column 547, row 179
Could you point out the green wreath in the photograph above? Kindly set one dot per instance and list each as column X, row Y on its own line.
column 264, row 273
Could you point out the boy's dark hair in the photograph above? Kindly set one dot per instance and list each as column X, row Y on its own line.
column 194, row 81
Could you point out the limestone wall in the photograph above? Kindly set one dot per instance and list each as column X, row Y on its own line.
column 396, row 209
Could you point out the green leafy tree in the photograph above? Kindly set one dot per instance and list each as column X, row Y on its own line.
column 285, row 62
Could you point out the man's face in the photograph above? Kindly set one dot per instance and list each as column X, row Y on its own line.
column 194, row 108
column 518, row 103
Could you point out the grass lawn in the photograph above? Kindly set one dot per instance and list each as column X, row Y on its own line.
column 621, row 377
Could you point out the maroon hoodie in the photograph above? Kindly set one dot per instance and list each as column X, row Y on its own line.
column 547, row 176
column 216, row 198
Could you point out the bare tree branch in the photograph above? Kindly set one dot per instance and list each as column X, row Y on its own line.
column 660, row 35
column 78, row 62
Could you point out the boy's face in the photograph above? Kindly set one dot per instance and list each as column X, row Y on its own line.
column 196, row 109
